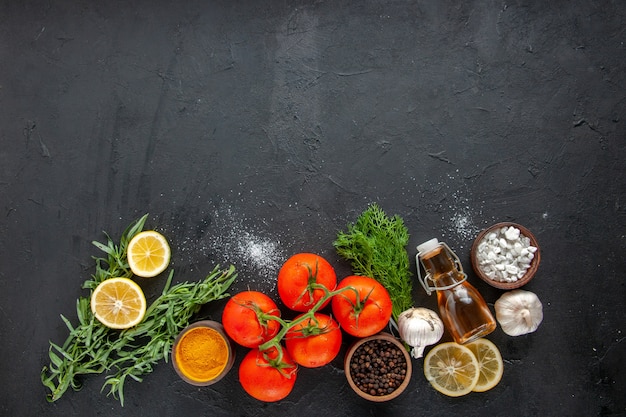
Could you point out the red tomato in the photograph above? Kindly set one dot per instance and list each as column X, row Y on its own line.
column 314, row 343
column 263, row 381
column 241, row 322
column 297, row 276
column 369, row 314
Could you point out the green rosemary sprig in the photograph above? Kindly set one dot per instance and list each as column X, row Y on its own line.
column 92, row 348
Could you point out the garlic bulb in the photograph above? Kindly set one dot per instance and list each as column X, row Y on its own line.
column 419, row 327
column 519, row 312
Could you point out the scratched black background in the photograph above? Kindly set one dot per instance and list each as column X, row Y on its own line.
column 271, row 125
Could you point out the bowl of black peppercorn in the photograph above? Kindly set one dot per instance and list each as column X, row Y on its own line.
column 378, row 367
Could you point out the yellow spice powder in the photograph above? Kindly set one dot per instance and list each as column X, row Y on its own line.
column 201, row 354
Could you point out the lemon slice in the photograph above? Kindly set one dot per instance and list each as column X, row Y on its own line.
column 118, row 303
column 148, row 254
column 451, row 369
column 490, row 363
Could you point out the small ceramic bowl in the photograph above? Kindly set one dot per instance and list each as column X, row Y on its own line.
column 530, row 272
column 385, row 340
column 202, row 353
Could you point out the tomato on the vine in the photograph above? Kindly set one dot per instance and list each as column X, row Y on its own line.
column 366, row 315
column 263, row 376
column 243, row 318
column 298, row 277
column 314, row 343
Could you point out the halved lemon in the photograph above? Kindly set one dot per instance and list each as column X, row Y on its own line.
column 148, row 254
column 451, row 369
column 490, row 363
column 118, row 303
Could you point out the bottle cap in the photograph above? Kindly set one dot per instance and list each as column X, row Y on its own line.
column 428, row 246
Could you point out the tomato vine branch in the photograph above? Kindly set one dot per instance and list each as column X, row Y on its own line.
column 287, row 325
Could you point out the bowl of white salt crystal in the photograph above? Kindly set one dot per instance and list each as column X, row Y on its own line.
column 505, row 255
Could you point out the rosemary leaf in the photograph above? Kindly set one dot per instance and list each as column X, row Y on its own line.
column 68, row 323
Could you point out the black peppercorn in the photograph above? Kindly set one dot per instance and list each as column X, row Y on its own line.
column 378, row 367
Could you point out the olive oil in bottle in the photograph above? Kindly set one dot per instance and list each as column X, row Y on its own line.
column 463, row 310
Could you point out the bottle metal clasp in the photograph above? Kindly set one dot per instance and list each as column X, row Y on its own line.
column 427, row 281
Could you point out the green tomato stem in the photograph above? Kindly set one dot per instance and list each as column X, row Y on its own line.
column 287, row 325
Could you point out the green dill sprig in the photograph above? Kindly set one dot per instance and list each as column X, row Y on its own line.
column 92, row 348
column 375, row 246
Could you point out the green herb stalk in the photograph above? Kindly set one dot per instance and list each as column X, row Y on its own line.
column 92, row 348
column 375, row 246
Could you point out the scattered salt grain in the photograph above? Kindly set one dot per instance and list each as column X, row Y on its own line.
column 505, row 255
column 262, row 254
column 457, row 211
column 245, row 246
column 227, row 237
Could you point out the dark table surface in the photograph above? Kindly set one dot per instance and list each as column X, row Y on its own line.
column 250, row 131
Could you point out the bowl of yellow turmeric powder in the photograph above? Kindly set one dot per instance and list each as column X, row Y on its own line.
column 202, row 353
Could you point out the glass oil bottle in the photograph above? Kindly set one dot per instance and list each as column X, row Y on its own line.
column 463, row 310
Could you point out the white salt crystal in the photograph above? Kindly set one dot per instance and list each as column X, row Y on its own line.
column 512, row 269
column 512, row 233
